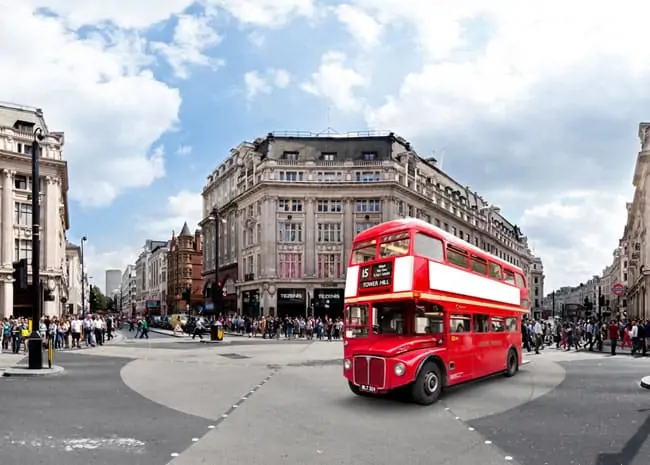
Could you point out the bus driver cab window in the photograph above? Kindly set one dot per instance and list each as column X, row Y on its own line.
column 388, row 318
column 428, row 319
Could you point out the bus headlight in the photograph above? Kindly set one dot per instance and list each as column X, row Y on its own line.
column 347, row 364
column 400, row 369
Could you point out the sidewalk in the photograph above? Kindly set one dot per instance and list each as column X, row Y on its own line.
column 117, row 337
column 9, row 359
column 605, row 351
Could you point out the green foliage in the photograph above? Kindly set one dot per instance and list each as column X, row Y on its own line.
column 98, row 301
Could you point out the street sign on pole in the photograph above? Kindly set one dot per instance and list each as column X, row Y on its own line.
column 618, row 289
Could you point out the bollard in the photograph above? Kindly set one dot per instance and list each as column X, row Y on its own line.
column 50, row 352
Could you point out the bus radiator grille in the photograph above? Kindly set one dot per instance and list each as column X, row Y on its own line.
column 370, row 371
column 360, row 370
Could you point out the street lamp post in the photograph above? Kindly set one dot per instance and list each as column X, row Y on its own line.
column 216, row 292
column 35, row 342
column 83, row 280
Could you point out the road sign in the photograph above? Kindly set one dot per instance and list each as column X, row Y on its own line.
column 618, row 289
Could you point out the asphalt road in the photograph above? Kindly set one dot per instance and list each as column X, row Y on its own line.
column 277, row 403
column 131, row 334
column 88, row 416
column 598, row 415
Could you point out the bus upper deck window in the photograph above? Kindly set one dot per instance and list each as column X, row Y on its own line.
column 519, row 281
column 364, row 252
column 394, row 245
column 429, row 247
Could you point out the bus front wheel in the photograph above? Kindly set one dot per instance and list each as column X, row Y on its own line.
column 428, row 385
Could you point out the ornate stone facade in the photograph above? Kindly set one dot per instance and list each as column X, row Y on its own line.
column 17, row 126
column 635, row 243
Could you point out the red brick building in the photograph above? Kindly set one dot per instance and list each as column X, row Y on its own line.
column 184, row 268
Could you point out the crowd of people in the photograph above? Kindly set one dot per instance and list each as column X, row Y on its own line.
column 67, row 332
column 587, row 334
column 268, row 327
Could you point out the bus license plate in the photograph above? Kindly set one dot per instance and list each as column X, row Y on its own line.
column 366, row 388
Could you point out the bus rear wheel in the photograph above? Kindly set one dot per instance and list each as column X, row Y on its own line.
column 428, row 385
column 512, row 363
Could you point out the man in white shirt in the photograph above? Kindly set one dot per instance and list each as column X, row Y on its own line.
column 537, row 331
column 75, row 329
column 634, row 335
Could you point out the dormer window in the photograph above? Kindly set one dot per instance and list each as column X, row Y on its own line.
column 369, row 156
column 328, row 156
column 290, row 156
column 24, row 126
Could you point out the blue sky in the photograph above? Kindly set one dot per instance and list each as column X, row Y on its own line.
column 535, row 108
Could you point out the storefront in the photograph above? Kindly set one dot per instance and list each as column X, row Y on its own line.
column 228, row 300
column 328, row 302
column 292, row 302
column 250, row 301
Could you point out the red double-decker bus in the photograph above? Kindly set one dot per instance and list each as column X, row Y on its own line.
column 426, row 310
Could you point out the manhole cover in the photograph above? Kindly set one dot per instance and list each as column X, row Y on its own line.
column 234, row 356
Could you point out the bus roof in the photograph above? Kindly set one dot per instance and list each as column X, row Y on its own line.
column 395, row 226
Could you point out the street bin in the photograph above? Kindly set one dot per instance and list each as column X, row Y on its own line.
column 216, row 331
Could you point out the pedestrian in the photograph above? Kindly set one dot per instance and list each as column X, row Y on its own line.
column 612, row 334
column 144, row 329
column 198, row 329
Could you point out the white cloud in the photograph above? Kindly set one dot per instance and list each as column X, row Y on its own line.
column 193, row 35
column 97, row 262
column 569, row 232
column 266, row 13
column 97, row 91
column 185, row 206
column 336, row 82
column 263, row 83
column 184, row 150
column 280, row 77
column 257, row 39
column 125, row 14
column 363, row 27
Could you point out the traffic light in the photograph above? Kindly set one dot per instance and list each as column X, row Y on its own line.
column 218, row 291
column 20, row 274
column 187, row 294
column 92, row 300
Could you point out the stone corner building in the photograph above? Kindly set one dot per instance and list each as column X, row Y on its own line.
column 291, row 204
column 635, row 246
column 17, row 126
column 184, row 269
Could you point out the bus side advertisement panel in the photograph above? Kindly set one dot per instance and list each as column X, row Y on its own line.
column 352, row 281
column 449, row 279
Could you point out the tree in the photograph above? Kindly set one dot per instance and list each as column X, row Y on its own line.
column 98, row 301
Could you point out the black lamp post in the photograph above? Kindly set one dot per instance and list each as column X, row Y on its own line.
column 216, row 291
column 83, row 280
column 35, row 342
